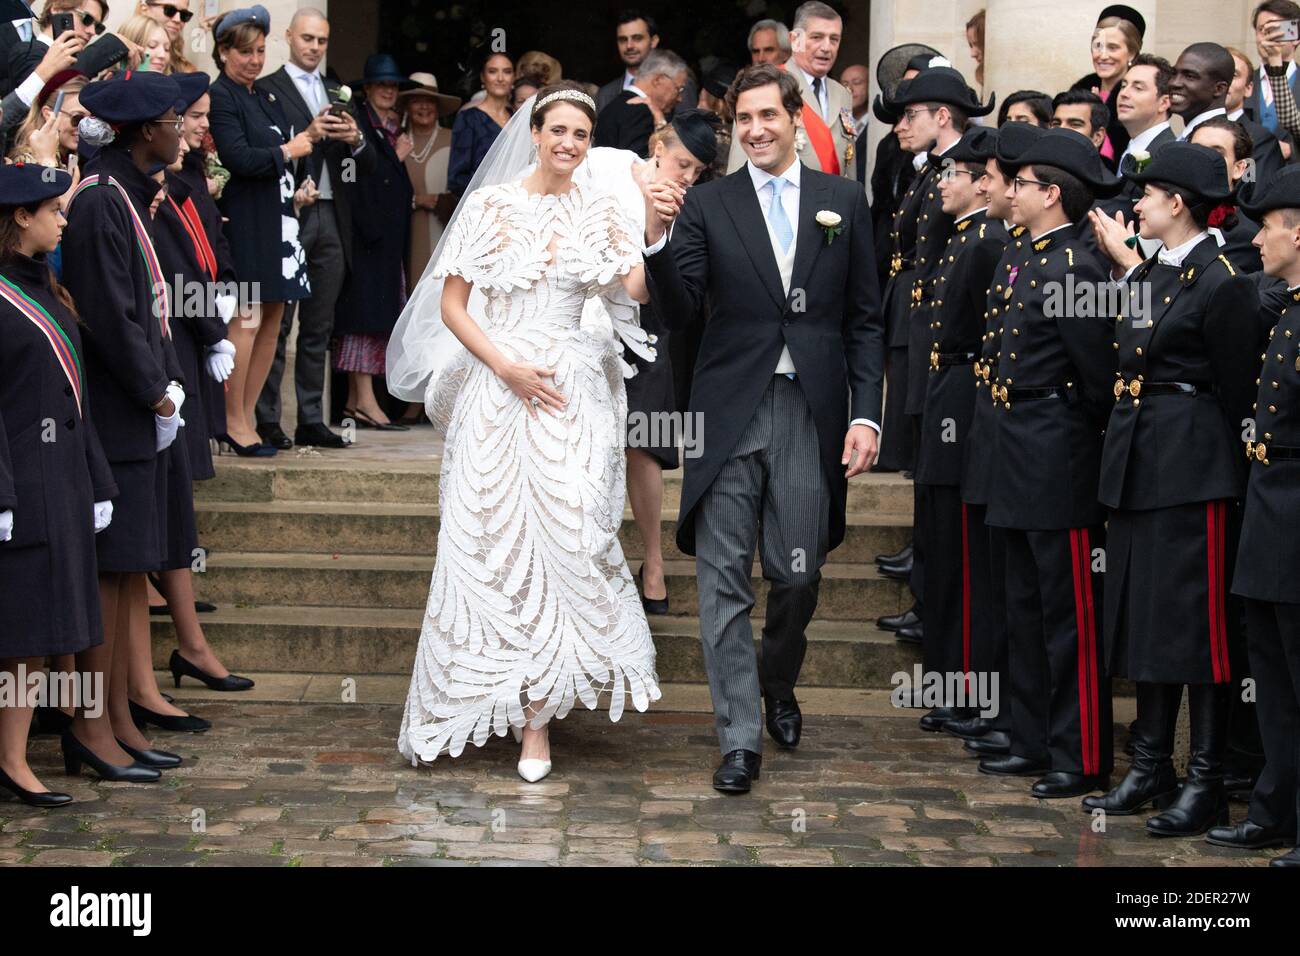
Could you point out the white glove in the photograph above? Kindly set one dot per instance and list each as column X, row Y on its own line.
column 165, row 429
column 6, row 525
column 226, row 307
column 221, row 360
column 103, row 515
column 177, row 395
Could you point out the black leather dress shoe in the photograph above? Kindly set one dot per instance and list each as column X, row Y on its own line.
column 909, row 635
column 993, row 744
column 159, row 759
column 189, row 724
column 896, row 572
column 1013, row 766
column 274, row 436
column 969, row 728
column 316, row 435
column 1059, row 784
column 1287, row 859
column 1248, row 836
column 937, row 719
column 898, row 557
column 784, row 721
column 893, row 622
column 738, row 770
column 33, row 798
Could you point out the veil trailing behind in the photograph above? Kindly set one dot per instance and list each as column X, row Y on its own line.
column 422, row 348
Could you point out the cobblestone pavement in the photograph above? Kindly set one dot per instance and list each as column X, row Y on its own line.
column 305, row 784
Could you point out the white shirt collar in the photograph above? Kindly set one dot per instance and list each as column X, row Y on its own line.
column 1176, row 255
column 919, row 160
column 1236, row 114
column 762, row 177
column 635, row 89
column 1200, row 118
column 809, row 77
column 629, row 79
column 973, row 212
column 298, row 73
column 1064, row 225
column 1143, row 139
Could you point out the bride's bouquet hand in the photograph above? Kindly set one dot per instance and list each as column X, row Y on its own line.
column 526, row 381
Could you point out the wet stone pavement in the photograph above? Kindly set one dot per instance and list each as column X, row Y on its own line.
column 322, row 785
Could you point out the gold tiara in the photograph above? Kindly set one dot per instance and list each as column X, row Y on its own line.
column 577, row 95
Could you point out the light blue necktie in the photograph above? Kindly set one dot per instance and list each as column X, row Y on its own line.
column 776, row 214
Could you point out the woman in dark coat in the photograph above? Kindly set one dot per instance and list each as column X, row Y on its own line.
column 1172, row 476
column 375, row 290
column 478, row 126
column 256, row 144
column 55, row 483
column 111, row 268
column 1115, row 41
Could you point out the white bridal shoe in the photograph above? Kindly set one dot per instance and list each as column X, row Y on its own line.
column 534, row 770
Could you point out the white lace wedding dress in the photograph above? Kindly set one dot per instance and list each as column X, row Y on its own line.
column 531, row 602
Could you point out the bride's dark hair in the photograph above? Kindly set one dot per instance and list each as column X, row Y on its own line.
column 585, row 104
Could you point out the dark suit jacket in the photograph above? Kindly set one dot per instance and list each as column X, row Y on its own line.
column 1267, row 153
column 625, row 126
column 609, row 92
column 8, row 40
column 330, row 153
column 831, row 322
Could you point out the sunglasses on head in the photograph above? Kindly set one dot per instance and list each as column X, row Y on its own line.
column 170, row 10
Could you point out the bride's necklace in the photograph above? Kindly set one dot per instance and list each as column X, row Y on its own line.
column 422, row 153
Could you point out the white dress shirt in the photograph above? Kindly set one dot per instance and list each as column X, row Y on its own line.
column 312, row 88
column 1175, row 256
column 1142, row 140
column 31, row 87
column 1198, row 119
column 629, row 81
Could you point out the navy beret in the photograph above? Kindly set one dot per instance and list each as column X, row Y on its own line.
column 132, row 97
column 23, row 184
column 192, row 86
column 255, row 14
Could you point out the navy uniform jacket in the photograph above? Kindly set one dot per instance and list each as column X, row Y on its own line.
column 902, row 260
column 1048, row 449
column 956, row 326
column 1163, row 450
column 933, row 227
column 1269, row 554
column 978, row 448
column 128, row 362
column 52, row 471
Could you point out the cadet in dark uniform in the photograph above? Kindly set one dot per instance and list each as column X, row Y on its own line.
column 956, row 321
column 111, row 268
column 1270, row 547
column 1171, row 475
column 987, row 546
column 1052, row 380
column 55, row 483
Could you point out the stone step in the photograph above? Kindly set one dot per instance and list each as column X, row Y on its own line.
column 849, row 592
column 366, row 527
column 289, row 477
column 357, row 641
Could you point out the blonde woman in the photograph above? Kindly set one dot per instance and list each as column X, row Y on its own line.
column 39, row 141
column 151, row 46
column 172, row 16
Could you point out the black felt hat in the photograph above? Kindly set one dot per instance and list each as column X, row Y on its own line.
column 977, row 145
column 1125, row 12
column 1280, row 191
column 1075, row 154
column 1014, row 138
column 939, row 84
column 125, row 99
column 893, row 63
column 698, row 132
column 24, row 184
column 1195, row 168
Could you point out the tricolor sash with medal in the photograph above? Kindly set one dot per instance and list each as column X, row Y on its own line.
column 819, row 137
column 60, row 344
column 157, row 284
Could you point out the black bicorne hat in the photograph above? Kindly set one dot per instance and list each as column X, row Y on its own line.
column 1075, row 154
column 1190, row 166
column 940, row 84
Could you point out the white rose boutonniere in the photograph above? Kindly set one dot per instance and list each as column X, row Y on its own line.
column 1140, row 159
column 830, row 223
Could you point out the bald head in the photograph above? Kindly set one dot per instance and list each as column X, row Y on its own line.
column 308, row 35
column 857, row 78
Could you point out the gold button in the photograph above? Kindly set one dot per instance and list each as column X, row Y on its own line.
column 1138, row 350
column 1273, row 409
column 1015, row 331
column 1043, row 261
column 1033, row 284
column 1013, row 356
column 1137, row 401
column 1168, row 300
column 999, row 287
column 1114, row 345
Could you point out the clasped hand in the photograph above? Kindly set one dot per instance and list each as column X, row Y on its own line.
column 526, row 382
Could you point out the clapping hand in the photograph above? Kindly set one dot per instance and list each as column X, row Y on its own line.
column 103, row 515
column 1113, row 237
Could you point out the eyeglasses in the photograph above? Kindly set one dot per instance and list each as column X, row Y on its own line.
column 910, row 115
column 1022, row 181
column 88, row 20
column 976, row 176
column 170, row 11
column 174, row 124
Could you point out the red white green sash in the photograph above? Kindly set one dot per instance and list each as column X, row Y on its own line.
column 61, row 345
column 157, row 283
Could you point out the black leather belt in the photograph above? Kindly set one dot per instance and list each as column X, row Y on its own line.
column 944, row 359
column 1136, row 387
column 1033, row 393
column 1258, row 451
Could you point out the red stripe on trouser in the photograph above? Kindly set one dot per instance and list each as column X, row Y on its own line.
column 965, row 596
column 1094, row 684
column 1080, row 643
column 1215, row 513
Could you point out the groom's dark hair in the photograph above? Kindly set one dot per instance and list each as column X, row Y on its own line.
column 764, row 74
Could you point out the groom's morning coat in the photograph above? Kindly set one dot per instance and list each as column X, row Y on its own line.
column 831, row 320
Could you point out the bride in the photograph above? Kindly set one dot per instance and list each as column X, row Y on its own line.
column 531, row 606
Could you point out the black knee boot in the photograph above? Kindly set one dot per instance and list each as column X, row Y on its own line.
column 1202, row 802
column 1151, row 778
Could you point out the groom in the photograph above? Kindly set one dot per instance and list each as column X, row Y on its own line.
column 792, row 349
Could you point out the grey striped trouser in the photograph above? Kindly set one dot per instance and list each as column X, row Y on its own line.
column 772, row 482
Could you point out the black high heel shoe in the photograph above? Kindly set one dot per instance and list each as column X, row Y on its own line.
column 75, row 753
column 50, row 720
column 151, row 758
column 180, row 667
column 255, row 450
column 365, row 421
column 34, row 798
column 651, row 605
column 189, row 724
